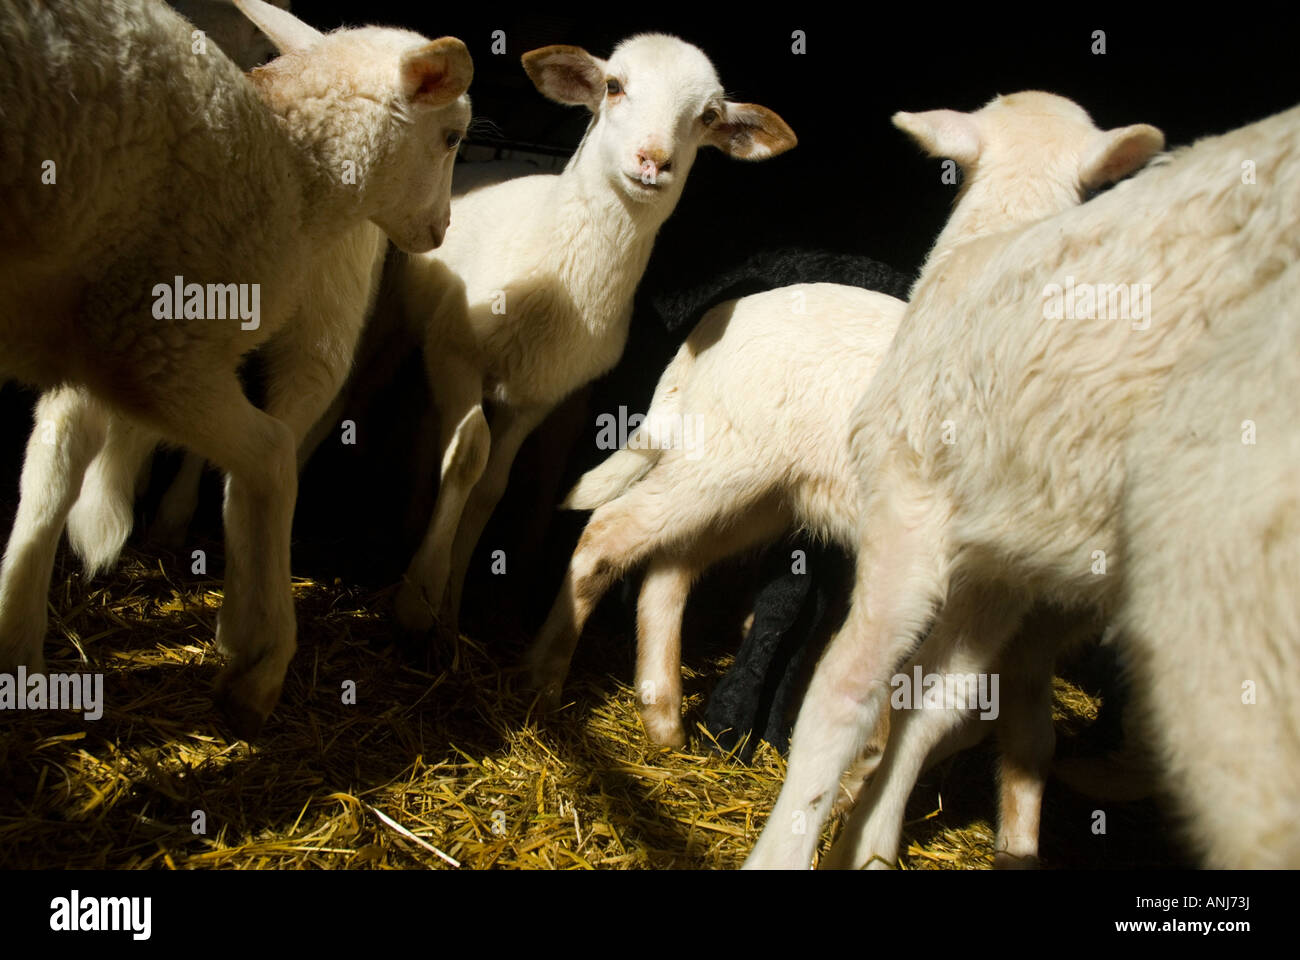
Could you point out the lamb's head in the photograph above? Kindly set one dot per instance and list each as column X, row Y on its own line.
column 383, row 111
column 654, row 103
column 1024, row 157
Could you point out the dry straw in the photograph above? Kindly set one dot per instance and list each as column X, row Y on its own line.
column 441, row 769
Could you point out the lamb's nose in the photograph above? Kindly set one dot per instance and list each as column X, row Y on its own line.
column 653, row 162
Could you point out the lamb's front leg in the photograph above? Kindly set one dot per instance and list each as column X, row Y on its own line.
column 902, row 574
column 1025, row 730
column 966, row 640
column 256, row 625
column 307, row 363
column 466, row 441
column 510, row 428
column 68, row 431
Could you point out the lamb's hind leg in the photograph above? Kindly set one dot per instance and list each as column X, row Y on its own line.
column 662, row 603
column 68, row 431
column 307, row 363
column 178, row 504
column 654, row 515
column 1025, row 732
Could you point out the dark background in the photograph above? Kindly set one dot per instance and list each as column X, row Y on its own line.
column 854, row 184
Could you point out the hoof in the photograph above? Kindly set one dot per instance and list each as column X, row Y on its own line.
column 1002, row 860
column 412, row 610
column 545, row 679
column 547, row 691
column 32, row 659
column 245, row 701
column 446, row 631
column 244, row 719
column 725, row 739
column 664, row 731
column 414, row 647
column 548, row 698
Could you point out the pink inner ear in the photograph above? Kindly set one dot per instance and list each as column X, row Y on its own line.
column 573, row 80
column 431, row 79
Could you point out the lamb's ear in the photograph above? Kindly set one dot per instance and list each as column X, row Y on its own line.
column 566, row 74
column 282, row 28
column 437, row 73
column 747, row 131
column 943, row 133
column 1114, row 154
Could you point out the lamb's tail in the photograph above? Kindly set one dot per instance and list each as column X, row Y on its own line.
column 102, row 517
column 607, row 481
column 645, row 447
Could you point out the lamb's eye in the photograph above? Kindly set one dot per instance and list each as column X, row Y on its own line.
column 708, row 116
column 613, row 87
column 453, row 141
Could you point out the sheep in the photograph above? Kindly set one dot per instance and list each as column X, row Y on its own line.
column 182, row 170
column 531, row 295
column 1025, row 505
column 101, row 518
column 792, row 612
column 681, row 511
column 306, row 363
column 178, row 504
column 717, row 467
column 1209, row 528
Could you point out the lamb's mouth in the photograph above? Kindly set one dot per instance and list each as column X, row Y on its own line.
column 643, row 184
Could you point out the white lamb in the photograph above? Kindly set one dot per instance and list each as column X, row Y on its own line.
column 1041, row 398
column 1210, row 527
column 718, row 467
column 101, row 519
column 531, row 295
column 183, row 167
column 306, row 364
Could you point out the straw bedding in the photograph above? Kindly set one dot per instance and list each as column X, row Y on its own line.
column 435, row 766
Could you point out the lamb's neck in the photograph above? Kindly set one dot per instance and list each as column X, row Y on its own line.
column 331, row 191
column 994, row 203
column 606, row 244
column 330, row 203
